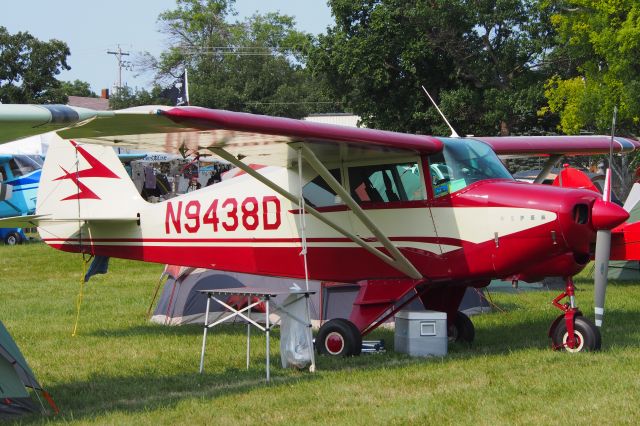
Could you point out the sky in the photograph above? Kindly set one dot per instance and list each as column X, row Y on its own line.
column 92, row 27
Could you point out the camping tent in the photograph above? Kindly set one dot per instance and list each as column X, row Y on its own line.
column 33, row 145
column 182, row 303
column 15, row 377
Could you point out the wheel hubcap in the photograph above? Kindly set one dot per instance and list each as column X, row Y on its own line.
column 334, row 343
column 579, row 341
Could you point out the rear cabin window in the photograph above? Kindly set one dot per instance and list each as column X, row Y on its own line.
column 318, row 193
column 385, row 183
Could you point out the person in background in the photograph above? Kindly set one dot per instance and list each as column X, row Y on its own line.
column 215, row 176
column 194, row 185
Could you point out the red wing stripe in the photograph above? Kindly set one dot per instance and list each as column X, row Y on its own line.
column 202, row 118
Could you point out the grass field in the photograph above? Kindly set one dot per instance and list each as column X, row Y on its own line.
column 121, row 369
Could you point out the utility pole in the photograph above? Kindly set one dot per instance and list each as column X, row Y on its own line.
column 119, row 54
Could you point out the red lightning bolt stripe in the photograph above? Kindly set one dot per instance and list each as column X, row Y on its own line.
column 96, row 169
column 83, row 190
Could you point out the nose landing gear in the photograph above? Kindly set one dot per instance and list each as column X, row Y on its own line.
column 571, row 331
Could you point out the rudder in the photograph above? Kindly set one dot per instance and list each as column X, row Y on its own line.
column 85, row 181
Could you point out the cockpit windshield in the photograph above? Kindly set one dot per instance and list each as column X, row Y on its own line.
column 16, row 166
column 21, row 165
column 462, row 162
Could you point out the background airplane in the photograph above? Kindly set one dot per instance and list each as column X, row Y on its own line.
column 408, row 216
column 21, row 173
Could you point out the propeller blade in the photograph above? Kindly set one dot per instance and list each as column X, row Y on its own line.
column 633, row 198
column 603, row 249
column 603, row 239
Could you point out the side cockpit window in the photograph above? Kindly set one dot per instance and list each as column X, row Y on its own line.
column 385, row 183
column 318, row 193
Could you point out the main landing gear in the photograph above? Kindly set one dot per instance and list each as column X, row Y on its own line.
column 571, row 331
column 339, row 337
column 462, row 329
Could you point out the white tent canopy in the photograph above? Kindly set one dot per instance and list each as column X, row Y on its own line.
column 33, row 145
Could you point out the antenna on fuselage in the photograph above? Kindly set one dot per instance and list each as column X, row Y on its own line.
column 454, row 134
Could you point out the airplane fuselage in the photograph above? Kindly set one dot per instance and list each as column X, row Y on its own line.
column 491, row 228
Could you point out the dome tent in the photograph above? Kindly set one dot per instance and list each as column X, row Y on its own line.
column 15, row 377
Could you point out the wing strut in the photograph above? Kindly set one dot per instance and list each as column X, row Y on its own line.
column 550, row 164
column 400, row 261
column 403, row 265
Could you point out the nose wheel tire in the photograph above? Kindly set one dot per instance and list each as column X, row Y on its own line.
column 587, row 336
column 462, row 329
column 339, row 337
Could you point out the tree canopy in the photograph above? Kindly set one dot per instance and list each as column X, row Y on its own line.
column 28, row 68
column 484, row 60
column 126, row 97
column 77, row 88
column 255, row 66
column 601, row 39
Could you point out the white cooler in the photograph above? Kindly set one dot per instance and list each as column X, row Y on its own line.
column 421, row 333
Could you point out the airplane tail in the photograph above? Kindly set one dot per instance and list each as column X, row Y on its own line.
column 86, row 182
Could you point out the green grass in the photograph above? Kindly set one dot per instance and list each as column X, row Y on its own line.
column 121, row 369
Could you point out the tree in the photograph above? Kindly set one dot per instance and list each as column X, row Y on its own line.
column 254, row 66
column 484, row 60
column 77, row 88
column 601, row 39
column 28, row 68
column 126, row 97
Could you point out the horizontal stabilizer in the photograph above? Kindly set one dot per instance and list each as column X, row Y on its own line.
column 35, row 220
column 22, row 221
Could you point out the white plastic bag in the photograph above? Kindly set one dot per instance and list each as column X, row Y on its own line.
column 296, row 349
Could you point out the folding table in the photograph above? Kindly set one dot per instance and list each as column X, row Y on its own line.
column 263, row 295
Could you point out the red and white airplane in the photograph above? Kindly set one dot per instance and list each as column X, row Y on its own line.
column 407, row 216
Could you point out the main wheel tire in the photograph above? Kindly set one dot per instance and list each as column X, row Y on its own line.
column 586, row 333
column 12, row 239
column 462, row 329
column 339, row 337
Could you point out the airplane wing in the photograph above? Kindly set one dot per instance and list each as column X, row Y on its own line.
column 257, row 138
column 527, row 146
column 254, row 138
column 20, row 121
